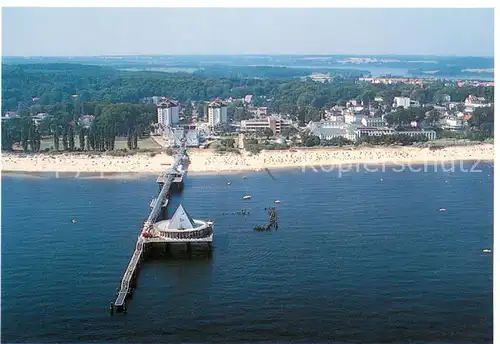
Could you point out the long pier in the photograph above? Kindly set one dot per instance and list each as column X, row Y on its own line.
column 167, row 179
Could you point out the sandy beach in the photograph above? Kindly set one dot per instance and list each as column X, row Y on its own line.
column 207, row 161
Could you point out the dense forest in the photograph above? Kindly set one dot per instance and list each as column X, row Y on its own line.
column 56, row 83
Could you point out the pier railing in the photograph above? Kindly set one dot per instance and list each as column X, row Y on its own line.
column 167, row 177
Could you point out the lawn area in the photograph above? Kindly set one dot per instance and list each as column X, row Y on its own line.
column 120, row 143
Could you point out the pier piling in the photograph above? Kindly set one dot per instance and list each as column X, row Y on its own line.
column 169, row 181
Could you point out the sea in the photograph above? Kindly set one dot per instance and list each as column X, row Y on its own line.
column 362, row 255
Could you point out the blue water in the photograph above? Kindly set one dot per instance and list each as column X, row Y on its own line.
column 382, row 71
column 355, row 259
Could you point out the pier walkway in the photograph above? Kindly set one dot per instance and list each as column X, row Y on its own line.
column 166, row 180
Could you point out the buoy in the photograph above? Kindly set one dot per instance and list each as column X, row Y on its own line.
column 73, row 221
column 487, row 250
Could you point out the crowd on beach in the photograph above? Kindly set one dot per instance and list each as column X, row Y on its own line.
column 207, row 161
column 323, row 157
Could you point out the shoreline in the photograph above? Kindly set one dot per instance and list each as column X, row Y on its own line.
column 206, row 162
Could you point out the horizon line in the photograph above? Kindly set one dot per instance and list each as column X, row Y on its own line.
column 248, row 54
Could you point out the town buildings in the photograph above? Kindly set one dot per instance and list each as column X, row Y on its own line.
column 86, row 120
column 258, row 111
column 475, row 102
column 168, row 113
column 319, row 77
column 355, row 131
column 373, row 122
column 276, row 124
column 217, row 113
column 174, row 136
column 402, row 101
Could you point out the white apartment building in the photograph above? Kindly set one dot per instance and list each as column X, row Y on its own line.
column 452, row 123
column 430, row 134
column 351, row 117
column 258, row 111
column 360, row 132
column 475, row 102
column 336, row 118
column 217, row 113
column 373, row 122
column 351, row 103
column 168, row 113
column 402, row 101
column 273, row 123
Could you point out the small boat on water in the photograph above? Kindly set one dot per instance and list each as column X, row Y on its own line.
column 442, row 209
column 277, row 201
column 73, row 221
column 228, row 183
column 246, row 197
column 487, row 250
column 244, row 177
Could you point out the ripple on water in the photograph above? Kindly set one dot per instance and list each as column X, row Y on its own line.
column 354, row 259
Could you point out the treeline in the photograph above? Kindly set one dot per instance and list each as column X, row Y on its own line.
column 64, row 122
column 57, row 83
column 401, row 139
column 23, row 131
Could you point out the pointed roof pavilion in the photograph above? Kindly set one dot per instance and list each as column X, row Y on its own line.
column 181, row 220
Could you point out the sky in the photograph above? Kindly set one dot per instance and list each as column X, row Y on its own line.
column 214, row 31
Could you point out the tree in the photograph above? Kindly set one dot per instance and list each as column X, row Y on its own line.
column 240, row 113
column 265, row 132
column 130, row 139
column 25, row 136
column 228, row 143
column 188, row 109
column 201, row 110
column 289, row 131
column 134, row 142
column 65, row 138
column 71, row 134
column 92, row 136
column 312, row 140
column 432, row 116
column 37, row 140
column 31, row 136
column 11, row 131
column 57, row 134
column 482, row 122
column 88, row 147
column 81, row 137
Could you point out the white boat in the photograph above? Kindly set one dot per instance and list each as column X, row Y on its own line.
column 228, row 183
column 277, row 201
column 487, row 250
column 247, row 197
column 442, row 209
